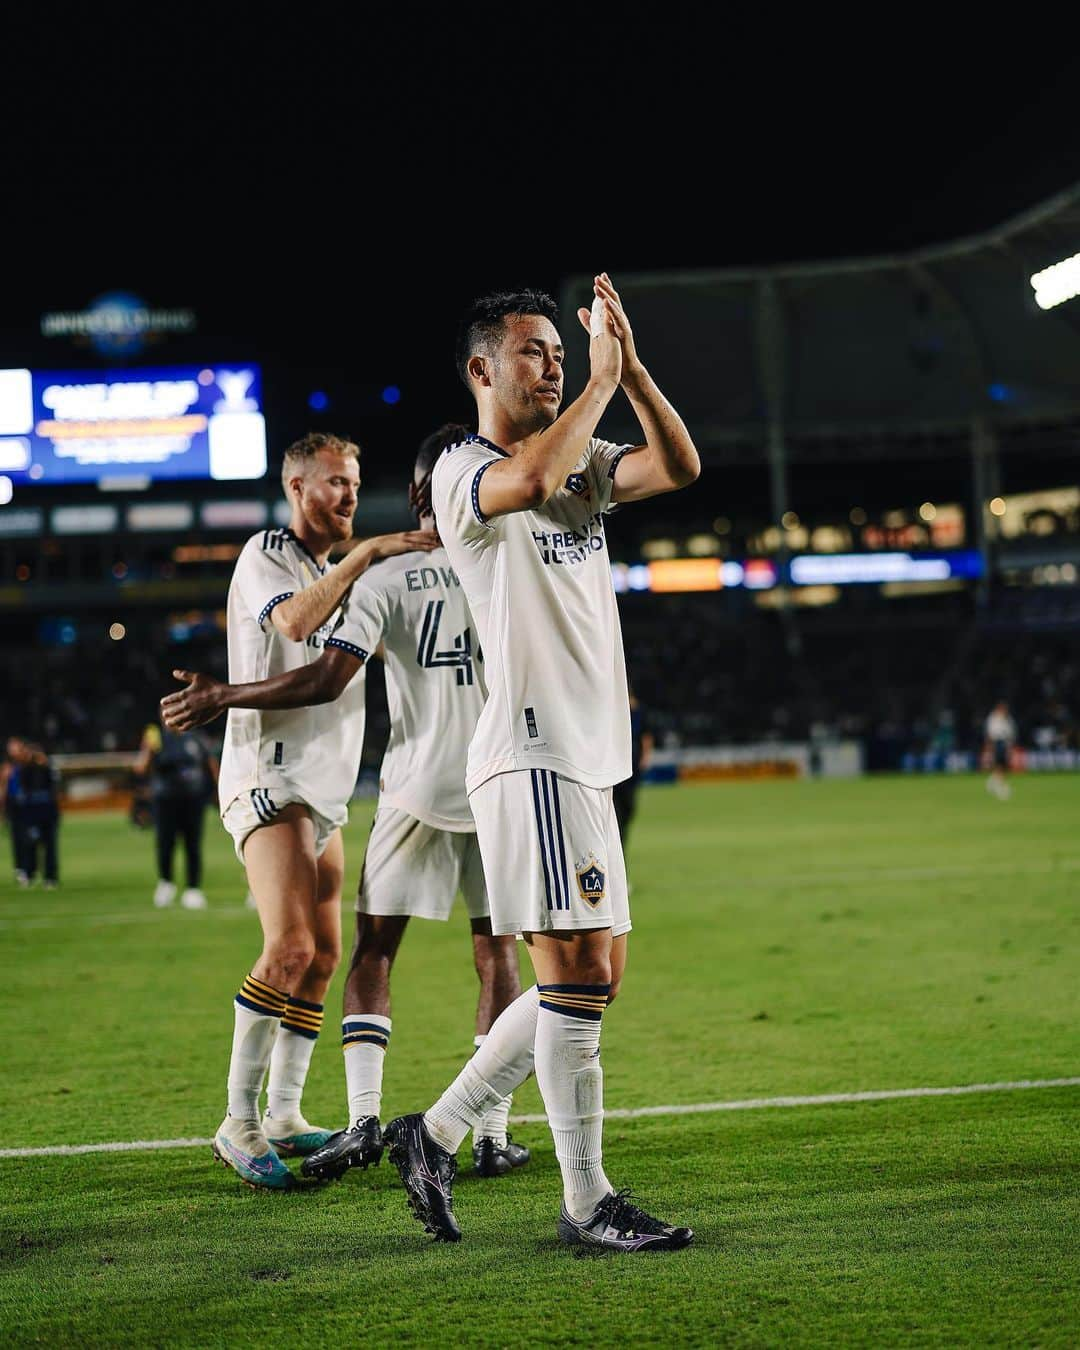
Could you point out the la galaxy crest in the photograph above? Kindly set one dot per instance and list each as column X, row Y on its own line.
column 591, row 880
column 578, row 484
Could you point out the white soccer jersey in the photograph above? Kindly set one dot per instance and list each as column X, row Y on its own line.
column 313, row 751
column 415, row 606
column 1000, row 727
column 539, row 588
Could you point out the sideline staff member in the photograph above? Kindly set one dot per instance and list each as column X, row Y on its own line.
column 183, row 774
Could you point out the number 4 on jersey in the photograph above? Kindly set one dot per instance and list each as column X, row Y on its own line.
column 428, row 654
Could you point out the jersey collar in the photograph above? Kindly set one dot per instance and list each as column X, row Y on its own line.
column 475, row 439
column 303, row 548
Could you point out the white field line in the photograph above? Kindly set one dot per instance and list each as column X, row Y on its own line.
column 133, row 916
column 727, row 884
column 635, row 1113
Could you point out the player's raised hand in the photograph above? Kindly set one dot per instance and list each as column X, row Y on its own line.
column 620, row 323
column 194, row 706
column 405, row 541
column 605, row 347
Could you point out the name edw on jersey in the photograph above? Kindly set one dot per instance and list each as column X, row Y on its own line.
column 415, row 607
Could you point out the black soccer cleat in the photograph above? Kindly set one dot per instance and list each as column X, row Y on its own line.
column 361, row 1145
column 495, row 1160
column 621, row 1227
column 427, row 1172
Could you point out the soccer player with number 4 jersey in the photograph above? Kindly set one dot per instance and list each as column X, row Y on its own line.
column 520, row 508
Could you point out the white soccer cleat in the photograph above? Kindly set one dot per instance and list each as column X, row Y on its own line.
column 294, row 1138
column 164, row 894
column 193, row 898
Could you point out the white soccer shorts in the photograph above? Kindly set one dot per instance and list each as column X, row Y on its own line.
column 552, row 854
column 260, row 806
column 412, row 868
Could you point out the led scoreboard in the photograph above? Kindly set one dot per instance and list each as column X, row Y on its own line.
column 164, row 422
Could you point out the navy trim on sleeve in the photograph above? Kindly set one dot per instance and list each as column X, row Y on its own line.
column 285, row 595
column 476, row 491
column 358, row 652
column 617, row 461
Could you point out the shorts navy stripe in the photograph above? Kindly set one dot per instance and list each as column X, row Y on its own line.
column 562, row 899
column 562, row 838
column 540, row 836
column 260, row 810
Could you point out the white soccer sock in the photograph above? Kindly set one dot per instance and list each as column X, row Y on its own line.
column 571, row 1083
column 499, row 1065
column 289, row 1064
column 364, row 1039
column 492, row 1125
column 257, row 1011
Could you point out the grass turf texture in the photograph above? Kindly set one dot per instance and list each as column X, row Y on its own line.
column 790, row 938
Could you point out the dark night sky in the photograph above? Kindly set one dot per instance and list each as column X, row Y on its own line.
column 336, row 209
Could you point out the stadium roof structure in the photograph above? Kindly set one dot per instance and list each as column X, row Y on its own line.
column 858, row 352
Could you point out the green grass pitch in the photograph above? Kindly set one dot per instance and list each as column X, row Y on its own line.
column 791, row 938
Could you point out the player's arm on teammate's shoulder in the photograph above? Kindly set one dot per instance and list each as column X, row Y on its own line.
column 304, row 612
column 668, row 459
column 526, row 480
column 204, row 698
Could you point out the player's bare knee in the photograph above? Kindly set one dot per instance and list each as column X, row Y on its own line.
column 372, row 956
column 589, row 968
column 292, row 954
column 326, row 959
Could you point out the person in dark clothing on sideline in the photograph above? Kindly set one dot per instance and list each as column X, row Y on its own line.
column 18, row 756
column 183, row 774
column 624, row 794
column 35, row 814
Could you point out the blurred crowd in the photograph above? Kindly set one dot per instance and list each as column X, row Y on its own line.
column 902, row 678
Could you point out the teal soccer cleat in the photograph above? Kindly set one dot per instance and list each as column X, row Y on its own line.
column 241, row 1145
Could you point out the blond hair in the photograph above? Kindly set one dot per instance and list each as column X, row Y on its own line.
column 300, row 455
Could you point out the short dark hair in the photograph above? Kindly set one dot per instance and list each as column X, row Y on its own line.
column 431, row 447
column 482, row 326
column 300, row 454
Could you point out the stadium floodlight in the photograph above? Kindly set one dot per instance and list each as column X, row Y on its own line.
column 1054, row 285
